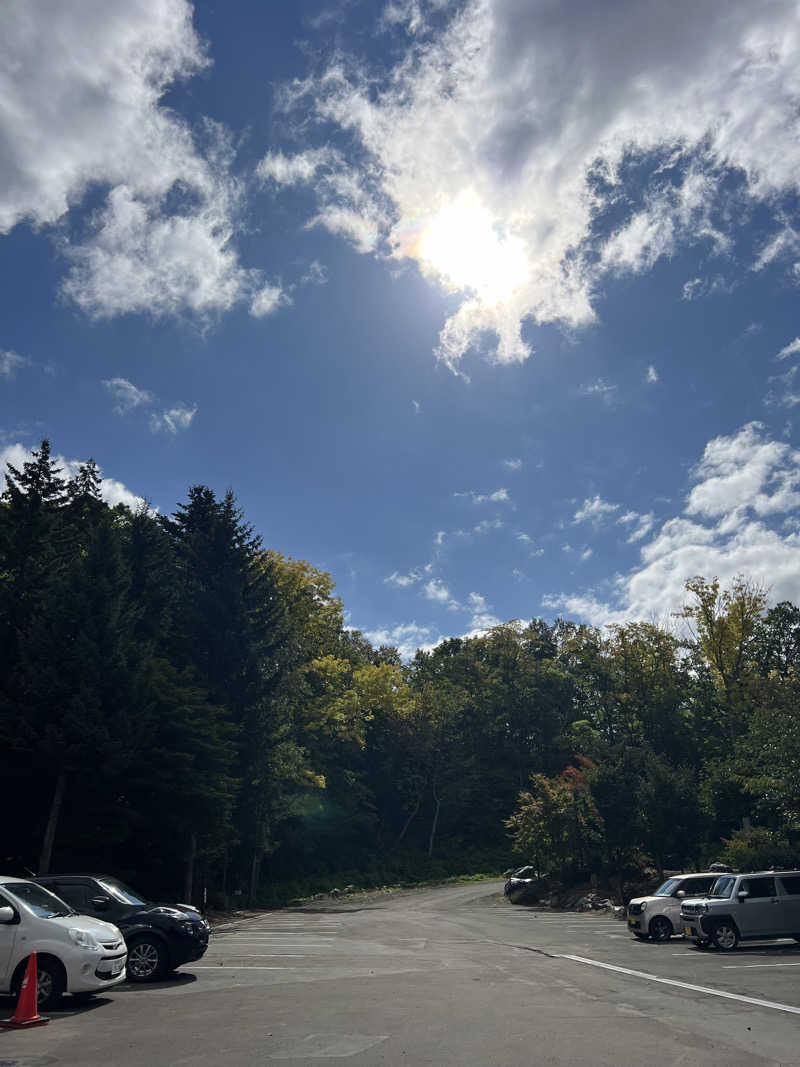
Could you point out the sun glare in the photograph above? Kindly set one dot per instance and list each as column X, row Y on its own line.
column 463, row 247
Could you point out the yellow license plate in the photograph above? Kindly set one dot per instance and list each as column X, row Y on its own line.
column 688, row 931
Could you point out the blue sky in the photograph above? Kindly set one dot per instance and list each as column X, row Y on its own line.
column 487, row 308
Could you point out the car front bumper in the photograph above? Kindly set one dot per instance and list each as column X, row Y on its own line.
column 97, row 971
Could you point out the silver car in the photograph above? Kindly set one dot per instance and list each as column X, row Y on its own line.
column 659, row 915
column 761, row 906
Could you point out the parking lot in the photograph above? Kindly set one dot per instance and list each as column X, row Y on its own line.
column 440, row 976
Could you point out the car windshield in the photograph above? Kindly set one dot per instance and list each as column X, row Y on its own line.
column 119, row 891
column 40, row 900
column 668, row 888
column 723, row 887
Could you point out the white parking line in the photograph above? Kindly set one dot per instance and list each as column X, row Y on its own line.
column 244, row 967
column 750, row 966
column 262, row 956
column 684, row 985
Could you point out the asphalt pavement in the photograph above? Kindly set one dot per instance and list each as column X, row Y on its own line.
column 445, row 976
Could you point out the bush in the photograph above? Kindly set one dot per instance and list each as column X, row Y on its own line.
column 757, row 849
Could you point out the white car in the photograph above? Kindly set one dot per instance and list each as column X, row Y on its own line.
column 74, row 953
column 659, row 915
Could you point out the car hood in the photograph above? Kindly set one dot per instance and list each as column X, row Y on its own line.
column 99, row 928
column 157, row 910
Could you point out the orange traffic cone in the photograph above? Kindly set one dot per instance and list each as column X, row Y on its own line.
column 26, row 1014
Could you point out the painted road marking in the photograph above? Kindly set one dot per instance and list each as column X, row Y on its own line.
column 750, row 966
column 682, row 985
column 242, row 967
column 262, row 956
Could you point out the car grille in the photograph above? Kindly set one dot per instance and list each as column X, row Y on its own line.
column 691, row 909
column 634, row 909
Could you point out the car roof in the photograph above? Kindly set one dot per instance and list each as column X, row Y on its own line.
column 72, row 874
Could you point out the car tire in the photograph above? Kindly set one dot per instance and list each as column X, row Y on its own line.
column 147, row 959
column 51, row 981
column 725, row 936
column 660, row 928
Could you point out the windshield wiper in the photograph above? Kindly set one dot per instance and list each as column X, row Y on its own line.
column 62, row 914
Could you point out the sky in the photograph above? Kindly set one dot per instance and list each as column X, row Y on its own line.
column 488, row 308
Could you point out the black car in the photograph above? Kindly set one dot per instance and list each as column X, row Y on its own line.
column 160, row 937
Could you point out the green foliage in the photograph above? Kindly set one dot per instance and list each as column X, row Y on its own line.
column 194, row 712
column 759, row 849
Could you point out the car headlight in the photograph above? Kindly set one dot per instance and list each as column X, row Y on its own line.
column 83, row 939
column 644, row 906
column 187, row 926
column 702, row 907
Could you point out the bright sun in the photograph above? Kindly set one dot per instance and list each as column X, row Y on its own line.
column 463, row 247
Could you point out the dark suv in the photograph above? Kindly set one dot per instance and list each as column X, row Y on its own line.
column 160, row 937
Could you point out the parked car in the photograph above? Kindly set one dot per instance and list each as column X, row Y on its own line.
column 658, row 916
column 745, row 907
column 520, row 886
column 160, row 937
column 74, row 954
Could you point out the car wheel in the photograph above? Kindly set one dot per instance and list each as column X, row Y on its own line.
column 50, row 982
column 725, row 936
column 147, row 959
column 660, row 928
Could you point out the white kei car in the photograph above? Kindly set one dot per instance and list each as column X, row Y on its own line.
column 74, row 953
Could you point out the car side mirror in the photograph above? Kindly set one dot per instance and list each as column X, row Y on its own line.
column 681, row 893
column 101, row 903
column 8, row 915
column 742, row 894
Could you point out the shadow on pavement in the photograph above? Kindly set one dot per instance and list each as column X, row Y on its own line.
column 175, row 980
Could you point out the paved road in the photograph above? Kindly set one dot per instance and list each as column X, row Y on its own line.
column 449, row 976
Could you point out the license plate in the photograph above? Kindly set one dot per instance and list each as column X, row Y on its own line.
column 116, row 967
column 688, row 931
column 633, row 922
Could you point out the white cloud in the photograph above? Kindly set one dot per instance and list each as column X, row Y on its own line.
column 315, row 274
column 652, row 375
column 594, row 509
column 437, row 591
column 641, row 525
column 525, row 538
column 298, row 169
column 417, row 406
column 587, row 554
column 267, row 300
column 792, row 349
column 783, row 392
column 519, row 119
column 439, row 538
column 599, row 388
column 10, row 362
column 127, row 395
column 485, row 525
column 499, row 496
column 405, row 637
column 403, row 580
column 173, row 419
column 482, row 618
column 82, row 111
column 745, row 470
column 111, row 490
column 512, row 464
column 742, row 481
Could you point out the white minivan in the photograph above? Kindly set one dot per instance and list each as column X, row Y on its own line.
column 74, row 953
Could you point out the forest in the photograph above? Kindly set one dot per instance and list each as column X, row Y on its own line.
column 186, row 709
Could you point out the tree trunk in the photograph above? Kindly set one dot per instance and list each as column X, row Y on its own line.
column 188, row 876
column 255, row 868
column 409, row 820
column 52, row 823
column 435, row 821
